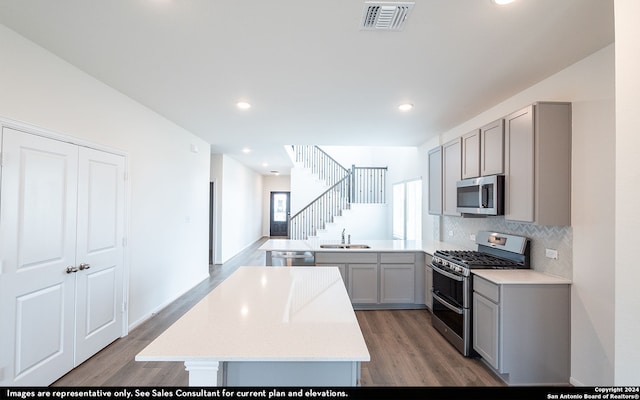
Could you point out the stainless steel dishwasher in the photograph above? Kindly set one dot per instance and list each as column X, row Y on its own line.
column 290, row 258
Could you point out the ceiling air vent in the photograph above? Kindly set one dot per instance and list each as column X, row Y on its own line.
column 387, row 16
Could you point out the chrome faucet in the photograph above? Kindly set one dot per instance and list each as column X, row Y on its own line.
column 343, row 235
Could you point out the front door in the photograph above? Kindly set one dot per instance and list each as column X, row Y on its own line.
column 279, row 214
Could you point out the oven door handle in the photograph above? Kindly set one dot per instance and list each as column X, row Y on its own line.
column 457, row 310
column 448, row 274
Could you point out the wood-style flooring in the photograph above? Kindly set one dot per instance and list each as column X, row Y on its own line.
column 405, row 349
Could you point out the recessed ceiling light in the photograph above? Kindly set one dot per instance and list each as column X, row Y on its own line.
column 246, row 150
column 502, row 2
column 264, row 164
column 243, row 105
column 405, row 107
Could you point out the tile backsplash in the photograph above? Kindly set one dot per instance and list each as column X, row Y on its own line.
column 559, row 238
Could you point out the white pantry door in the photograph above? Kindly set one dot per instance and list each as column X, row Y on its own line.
column 99, row 252
column 61, row 248
column 37, row 245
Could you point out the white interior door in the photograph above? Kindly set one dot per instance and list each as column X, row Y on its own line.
column 37, row 244
column 61, row 256
column 99, row 252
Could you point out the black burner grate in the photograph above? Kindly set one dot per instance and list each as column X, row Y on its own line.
column 475, row 259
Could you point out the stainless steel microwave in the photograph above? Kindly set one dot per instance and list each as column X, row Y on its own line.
column 481, row 196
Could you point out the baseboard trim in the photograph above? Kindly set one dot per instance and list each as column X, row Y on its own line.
column 162, row 306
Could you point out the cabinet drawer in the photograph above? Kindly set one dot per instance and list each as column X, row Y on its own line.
column 345, row 257
column 487, row 289
column 398, row 258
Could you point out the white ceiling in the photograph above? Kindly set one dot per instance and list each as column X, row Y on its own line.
column 311, row 74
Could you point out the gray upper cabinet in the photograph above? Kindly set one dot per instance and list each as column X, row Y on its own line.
column 435, row 181
column 483, row 151
column 492, row 148
column 538, row 164
column 471, row 154
column 451, row 174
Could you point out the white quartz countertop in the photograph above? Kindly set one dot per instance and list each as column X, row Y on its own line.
column 267, row 314
column 519, row 277
column 428, row 247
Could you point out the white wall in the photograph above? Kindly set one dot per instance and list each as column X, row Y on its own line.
column 362, row 222
column 307, row 187
column 168, row 197
column 240, row 216
column 272, row 183
column 627, row 191
column 589, row 85
column 403, row 163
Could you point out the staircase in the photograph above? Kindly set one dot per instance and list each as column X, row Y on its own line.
column 365, row 185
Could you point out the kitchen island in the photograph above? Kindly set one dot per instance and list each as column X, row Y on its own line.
column 268, row 327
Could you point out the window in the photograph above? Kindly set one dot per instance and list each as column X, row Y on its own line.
column 407, row 210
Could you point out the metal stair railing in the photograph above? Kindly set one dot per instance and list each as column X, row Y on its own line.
column 323, row 209
column 364, row 185
column 368, row 185
column 322, row 164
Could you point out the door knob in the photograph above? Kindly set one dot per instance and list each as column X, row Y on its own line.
column 84, row 266
column 70, row 270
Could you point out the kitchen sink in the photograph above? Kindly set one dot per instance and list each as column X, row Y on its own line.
column 344, row 246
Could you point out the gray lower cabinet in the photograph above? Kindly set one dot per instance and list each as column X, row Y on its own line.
column 522, row 331
column 397, row 278
column 396, row 283
column 486, row 334
column 363, row 283
column 359, row 271
column 343, row 272
column 380, row 279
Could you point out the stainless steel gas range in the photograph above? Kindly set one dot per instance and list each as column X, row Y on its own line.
column 453, row 281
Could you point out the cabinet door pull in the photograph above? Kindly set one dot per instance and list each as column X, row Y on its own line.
column 84, row 266
column 71, row 270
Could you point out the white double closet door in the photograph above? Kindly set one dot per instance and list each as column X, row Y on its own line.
column 61, row 249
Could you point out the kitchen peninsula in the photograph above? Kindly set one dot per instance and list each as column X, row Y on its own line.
column 378, row 245
column 268, row 327
column 378, row 274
